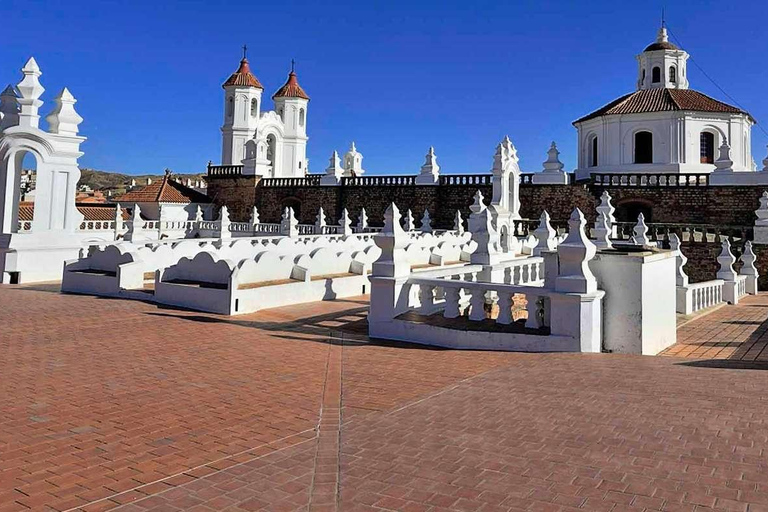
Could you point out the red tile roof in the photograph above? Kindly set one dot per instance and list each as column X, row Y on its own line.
column 291, row 89
column 91, row 212
column 662, row 100
column 164, row 191
column 243, row 77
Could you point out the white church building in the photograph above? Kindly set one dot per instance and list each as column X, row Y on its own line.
column 663, row 126
column 270, row 143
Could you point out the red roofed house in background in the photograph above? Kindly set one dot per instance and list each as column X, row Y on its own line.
column 167, row 200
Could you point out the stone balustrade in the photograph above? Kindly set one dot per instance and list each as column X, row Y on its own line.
column 650, row 180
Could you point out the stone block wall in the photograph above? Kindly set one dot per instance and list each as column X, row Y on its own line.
column 238, row 193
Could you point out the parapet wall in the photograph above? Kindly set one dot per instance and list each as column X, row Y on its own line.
column 694, row 204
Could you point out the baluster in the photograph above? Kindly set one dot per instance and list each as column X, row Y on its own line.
column 533, row 307
column 505, row 308
column 477, row 304
column 515, row 275
column 427, row 297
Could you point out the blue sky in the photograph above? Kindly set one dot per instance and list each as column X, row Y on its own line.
column 394, row 76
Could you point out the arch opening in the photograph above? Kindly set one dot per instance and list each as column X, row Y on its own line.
column 643, row 147
column 656, row 75
column 707, row 148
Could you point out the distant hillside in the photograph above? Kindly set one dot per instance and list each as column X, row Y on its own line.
column 102, row 180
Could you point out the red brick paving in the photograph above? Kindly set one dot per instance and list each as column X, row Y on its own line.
column 108, row 404
column 734, row 333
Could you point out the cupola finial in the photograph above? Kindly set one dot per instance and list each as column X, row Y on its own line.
column 245, row 52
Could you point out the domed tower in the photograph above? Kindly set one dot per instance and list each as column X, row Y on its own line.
column 242, row 107
column 291, row 105
column 662, row 65
column 664, row 126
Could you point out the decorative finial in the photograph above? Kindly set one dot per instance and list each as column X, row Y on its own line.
column 245, row 52
column 663, row 20
column 293, row 65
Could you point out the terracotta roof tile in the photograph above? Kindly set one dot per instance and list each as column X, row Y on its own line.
column 164, row 191
column 291, row 89
column 91, row 212
column 663, row 100
column 243, row 77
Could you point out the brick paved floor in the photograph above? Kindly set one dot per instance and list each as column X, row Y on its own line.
column 737, row 334
column 117, row 405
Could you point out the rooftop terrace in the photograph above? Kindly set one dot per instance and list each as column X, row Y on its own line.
column 120, row 405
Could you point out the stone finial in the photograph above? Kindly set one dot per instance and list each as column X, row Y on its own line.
column 392, row 240
column 30, row 91
column 289, row 226
column 606, row 207
column 135, row 225
column 483, row 233
column 333, row 172
column 553, row 163
column 9, row 108
column 748, row 260
column 255, row 218
column 726, row 259
column 430, row 171
column 458, row 223
column 509, row 149
column 362, row 221
column 478, row 205
column 765, row 164
column 118, row 219
column 353, row 162
column 762, row 212
column 410, row 224
column 545, row 235
column 640, row 232
column 320, row 221
column 724, row 162
column 199, row 214
column 681, row 278
column 63, row 119
column 574, row 254
column 498, row 168
column 602, row 232
column 345, row 223
column 749, row 269
column 426, row 222
column 149, row 181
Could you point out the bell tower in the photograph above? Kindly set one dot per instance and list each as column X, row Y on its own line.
column 242, row 108
column 291, row 105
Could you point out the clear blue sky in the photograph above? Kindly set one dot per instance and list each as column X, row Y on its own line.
column 394, row 76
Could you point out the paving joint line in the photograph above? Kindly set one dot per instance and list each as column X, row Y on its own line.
column 107, row 498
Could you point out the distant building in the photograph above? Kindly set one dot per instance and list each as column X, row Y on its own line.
column 166, row 200
column 272, row 144
column 664, row 126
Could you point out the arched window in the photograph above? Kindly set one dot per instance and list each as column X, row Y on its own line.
column 642, row 81
column 672, row 74
column 593, row 151
column 254, row 107
column 707, row 147
column 643, row 148
column 656, row 78
column 301, row 117
column 280, row 113
column 230, row 107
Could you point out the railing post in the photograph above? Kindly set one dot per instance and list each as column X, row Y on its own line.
column 748, row 268
column 389, row 276
column 727, row 273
